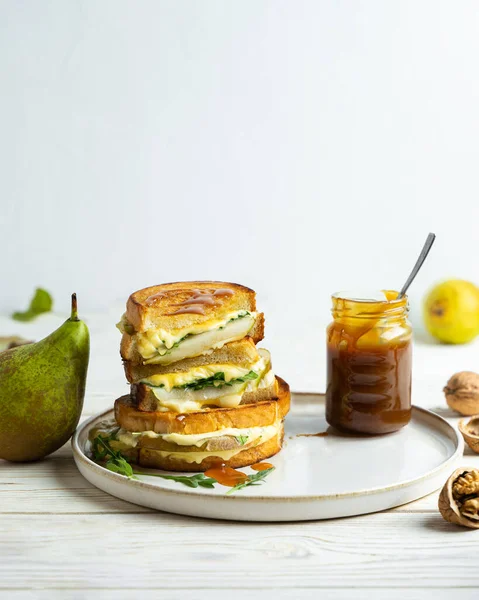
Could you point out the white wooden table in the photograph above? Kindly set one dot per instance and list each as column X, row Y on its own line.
column 61, row 538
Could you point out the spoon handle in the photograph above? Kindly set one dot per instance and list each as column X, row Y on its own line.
column 422, row 257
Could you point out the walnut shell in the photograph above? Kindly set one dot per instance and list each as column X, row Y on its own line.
column 12, row 341
column 462, row 393
column 459, row 498
column 470, row 432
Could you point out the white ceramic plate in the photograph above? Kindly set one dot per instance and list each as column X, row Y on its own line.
column 315, row 477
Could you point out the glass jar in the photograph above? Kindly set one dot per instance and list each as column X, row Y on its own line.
column 369, row 364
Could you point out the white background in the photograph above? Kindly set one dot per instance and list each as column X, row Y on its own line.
column 298, row 147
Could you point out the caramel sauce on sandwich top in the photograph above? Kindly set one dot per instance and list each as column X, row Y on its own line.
column 195, row 310
column 369, row 364
column 154, row 297
column 201, row 298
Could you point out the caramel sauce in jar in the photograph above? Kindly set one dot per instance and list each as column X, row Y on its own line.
column 369, row 356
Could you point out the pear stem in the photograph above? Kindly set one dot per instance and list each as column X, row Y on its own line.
column 74, row 314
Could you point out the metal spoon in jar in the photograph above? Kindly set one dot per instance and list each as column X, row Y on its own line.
column 422, row 257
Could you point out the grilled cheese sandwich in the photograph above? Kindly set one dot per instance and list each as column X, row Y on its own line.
column 201, row 392
column 196, row 441
column 226, row 378
column 170, row 322
column 209, row 385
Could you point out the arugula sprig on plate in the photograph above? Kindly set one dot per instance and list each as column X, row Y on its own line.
column 255, row 479
column 190, row 480
column 114, row 461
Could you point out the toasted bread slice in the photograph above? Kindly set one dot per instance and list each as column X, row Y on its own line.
column 242, row 353
column 145, row 399
column 161, row 306
column 177, row 461
column 132, row 347
column 257, row 414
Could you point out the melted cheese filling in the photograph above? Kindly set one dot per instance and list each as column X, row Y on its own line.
column 256, row 436
column 183, row 400
column 168, row 381
column 198, row 457
column 253, row 434
column 227, row 397
column 155, row 341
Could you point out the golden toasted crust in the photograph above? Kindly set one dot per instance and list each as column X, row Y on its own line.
column 145, row 400
column 128, row 350
column 248, row 415
column 241, row 353
column 130, row 353
column 154, row 460
column 157, row 305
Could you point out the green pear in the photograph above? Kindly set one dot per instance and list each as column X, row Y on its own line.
column 42, row 386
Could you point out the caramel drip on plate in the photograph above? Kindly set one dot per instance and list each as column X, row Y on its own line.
column 226, row 475
column 261, row 466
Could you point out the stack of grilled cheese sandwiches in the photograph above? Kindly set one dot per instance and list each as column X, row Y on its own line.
column 201, row 393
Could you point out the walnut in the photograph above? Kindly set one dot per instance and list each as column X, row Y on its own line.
column 470, row 432
column 470, row 509
column 467, row 483
column 459, row 498
column 12, row 341
column 462, row 393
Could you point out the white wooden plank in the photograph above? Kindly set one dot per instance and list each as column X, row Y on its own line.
column 54, row 485
column 136, row 551
column 240, row 594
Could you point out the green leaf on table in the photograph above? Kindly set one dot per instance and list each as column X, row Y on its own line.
column 41, row 302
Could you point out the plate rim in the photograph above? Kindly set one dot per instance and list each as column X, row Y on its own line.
column 80, row 455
